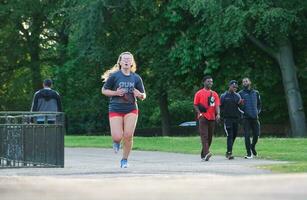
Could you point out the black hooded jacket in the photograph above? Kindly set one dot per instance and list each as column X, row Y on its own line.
column 46, row 100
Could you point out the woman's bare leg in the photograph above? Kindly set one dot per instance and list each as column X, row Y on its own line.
column 117, row 128
column 130, row 121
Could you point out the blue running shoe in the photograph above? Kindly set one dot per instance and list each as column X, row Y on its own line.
column 116, row 147
column 124, row 163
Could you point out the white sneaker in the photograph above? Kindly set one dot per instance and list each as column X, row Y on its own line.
column 248, row 157
column 207, row 157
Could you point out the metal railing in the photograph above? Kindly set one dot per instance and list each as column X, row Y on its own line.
column 31, row 139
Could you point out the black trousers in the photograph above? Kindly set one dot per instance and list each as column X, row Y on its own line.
column 49, row 122
column 252, row 125
column 231, row 130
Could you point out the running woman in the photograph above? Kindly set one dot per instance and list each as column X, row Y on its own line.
column 123, row 86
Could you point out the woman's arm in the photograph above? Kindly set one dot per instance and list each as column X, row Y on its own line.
column 139, row 90
column 138, row 94
column 111, row 93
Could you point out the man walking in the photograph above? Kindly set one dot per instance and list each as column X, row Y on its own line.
column 46, row 100
column 207, row 106
column 230, row 101
column 251, row 107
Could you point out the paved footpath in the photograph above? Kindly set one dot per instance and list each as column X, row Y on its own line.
column 92, row 173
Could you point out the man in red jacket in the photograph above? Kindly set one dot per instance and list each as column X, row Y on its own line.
column 207, row 106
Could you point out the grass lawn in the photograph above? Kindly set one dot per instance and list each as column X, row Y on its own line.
column 285, row 149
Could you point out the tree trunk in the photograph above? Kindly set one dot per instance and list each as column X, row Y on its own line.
column 34, row 50
column 284, row 57
column 165, row 117
column 63, row 40
column 35, row 71
column 292, row 91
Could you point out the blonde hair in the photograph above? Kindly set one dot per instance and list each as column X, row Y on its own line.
column 117, row 66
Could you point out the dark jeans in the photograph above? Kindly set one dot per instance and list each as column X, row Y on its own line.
column 254, row 126
column 49, row 122
column 206, row 130
column 231, row 130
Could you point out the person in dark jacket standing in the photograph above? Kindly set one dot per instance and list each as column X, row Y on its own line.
column 251, row 107
column 46, row 100
column 230, row 101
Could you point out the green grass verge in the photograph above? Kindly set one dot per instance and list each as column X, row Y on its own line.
column 284, row 149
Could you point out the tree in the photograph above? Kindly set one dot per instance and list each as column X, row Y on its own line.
column 163, row 22
column 174, row 42
column 30, row 35
column 27, row 51
column 270, row 25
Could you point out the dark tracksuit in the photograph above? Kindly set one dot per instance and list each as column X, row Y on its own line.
column 230, row 113
column 251, row 108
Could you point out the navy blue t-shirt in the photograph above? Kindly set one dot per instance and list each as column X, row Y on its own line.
column 127, row 102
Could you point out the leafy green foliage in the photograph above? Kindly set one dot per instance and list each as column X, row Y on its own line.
column 174, row 42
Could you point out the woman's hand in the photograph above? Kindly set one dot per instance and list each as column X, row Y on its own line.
column 120, row 92
column 138, row 94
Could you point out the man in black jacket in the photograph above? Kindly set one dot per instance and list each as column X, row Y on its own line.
column 251, row 107
column 46, row 100
column 230, row 101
